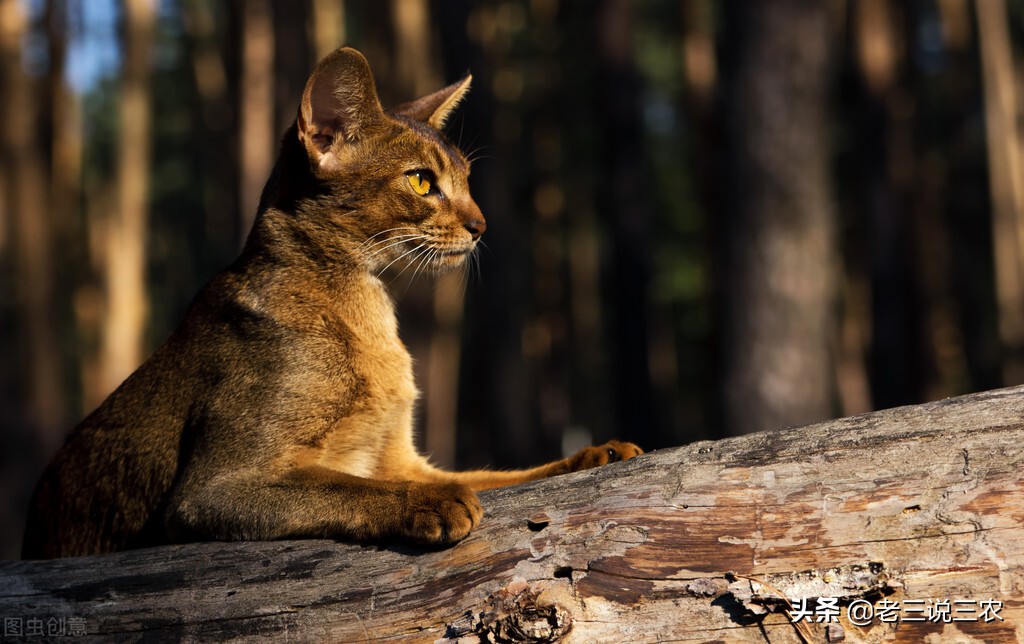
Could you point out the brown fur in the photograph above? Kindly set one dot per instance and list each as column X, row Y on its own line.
column 282, row 405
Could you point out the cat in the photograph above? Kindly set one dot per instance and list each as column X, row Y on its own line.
column 282, row 406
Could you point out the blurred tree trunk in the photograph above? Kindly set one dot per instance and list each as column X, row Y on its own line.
column 701, row 90
column 66, row 140
column 216, row 128
column 876, row 51
column 928, row 184
column 65, row 129
column 292, row 63
column 970, row 236
column 623, row 204
column 33, row 401
column 257, row 138
column 899, row 297
column 565, row 336
column 885, row 139
column 123, row 335
column 414, row 48
column 882, row 285
column 328, row 26
column 499, row 409
column 779, row 257
column 25, row 188
column 1006, row 178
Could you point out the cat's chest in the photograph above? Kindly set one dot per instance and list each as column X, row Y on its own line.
column 383, row 396
column 375, row 349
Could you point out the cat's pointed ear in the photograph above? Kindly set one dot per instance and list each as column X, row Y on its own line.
column 340, row 102
column 434, row 109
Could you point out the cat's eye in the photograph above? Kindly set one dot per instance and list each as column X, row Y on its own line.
column 422, row 181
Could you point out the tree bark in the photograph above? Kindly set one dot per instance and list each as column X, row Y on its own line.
column 710, row 541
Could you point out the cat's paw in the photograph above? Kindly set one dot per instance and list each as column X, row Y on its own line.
column 441, row 514
column 610, row 452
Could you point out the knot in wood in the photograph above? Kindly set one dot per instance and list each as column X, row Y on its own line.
column 516, row 614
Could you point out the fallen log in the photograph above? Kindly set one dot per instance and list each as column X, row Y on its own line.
column 891, row 526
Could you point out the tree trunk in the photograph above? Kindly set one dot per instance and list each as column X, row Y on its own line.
column 780, row 256
column 1005, row 168
column 623, row 196
column 328, row 26
column 293, row 58
column 257, row 138
column 217, row 132
column 33, row 399
column 65, row 137
column 123, row 341
column 907, row 507
column 24, row 187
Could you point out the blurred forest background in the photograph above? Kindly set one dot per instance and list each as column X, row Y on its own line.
column 704, row 218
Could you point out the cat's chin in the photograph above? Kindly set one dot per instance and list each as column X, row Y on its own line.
column 450, row 259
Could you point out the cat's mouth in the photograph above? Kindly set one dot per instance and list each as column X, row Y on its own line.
column 410, row 251
column 437, row 256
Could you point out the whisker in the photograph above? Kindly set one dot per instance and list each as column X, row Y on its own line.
column 390, row 230
column 476, row 156
column 400, row 257
column 425, row 254
column 474, row 265
column 429, row 260
column 464, row 272
column 384, row 232
column 481, row 244
column 393, row 239
column 404, row 240
column 427, row 257
column 475, row 153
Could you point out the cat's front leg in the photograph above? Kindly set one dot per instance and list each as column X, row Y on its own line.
column 317, row 502
column 585, row 459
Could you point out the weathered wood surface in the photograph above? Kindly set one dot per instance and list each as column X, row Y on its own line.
column 917, row 503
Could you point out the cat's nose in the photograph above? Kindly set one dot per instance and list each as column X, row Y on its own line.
column 476, row 227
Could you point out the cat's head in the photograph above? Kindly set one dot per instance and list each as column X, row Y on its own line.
column 386, row 184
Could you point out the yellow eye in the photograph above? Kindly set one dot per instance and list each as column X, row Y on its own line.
column 420, row 182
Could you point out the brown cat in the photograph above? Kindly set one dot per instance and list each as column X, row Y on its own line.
column 282, row 405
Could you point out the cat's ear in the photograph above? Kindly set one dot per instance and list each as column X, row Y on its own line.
column 434, row 109
column 340, row 102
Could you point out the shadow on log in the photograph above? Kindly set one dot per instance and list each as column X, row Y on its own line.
column 899, row 512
